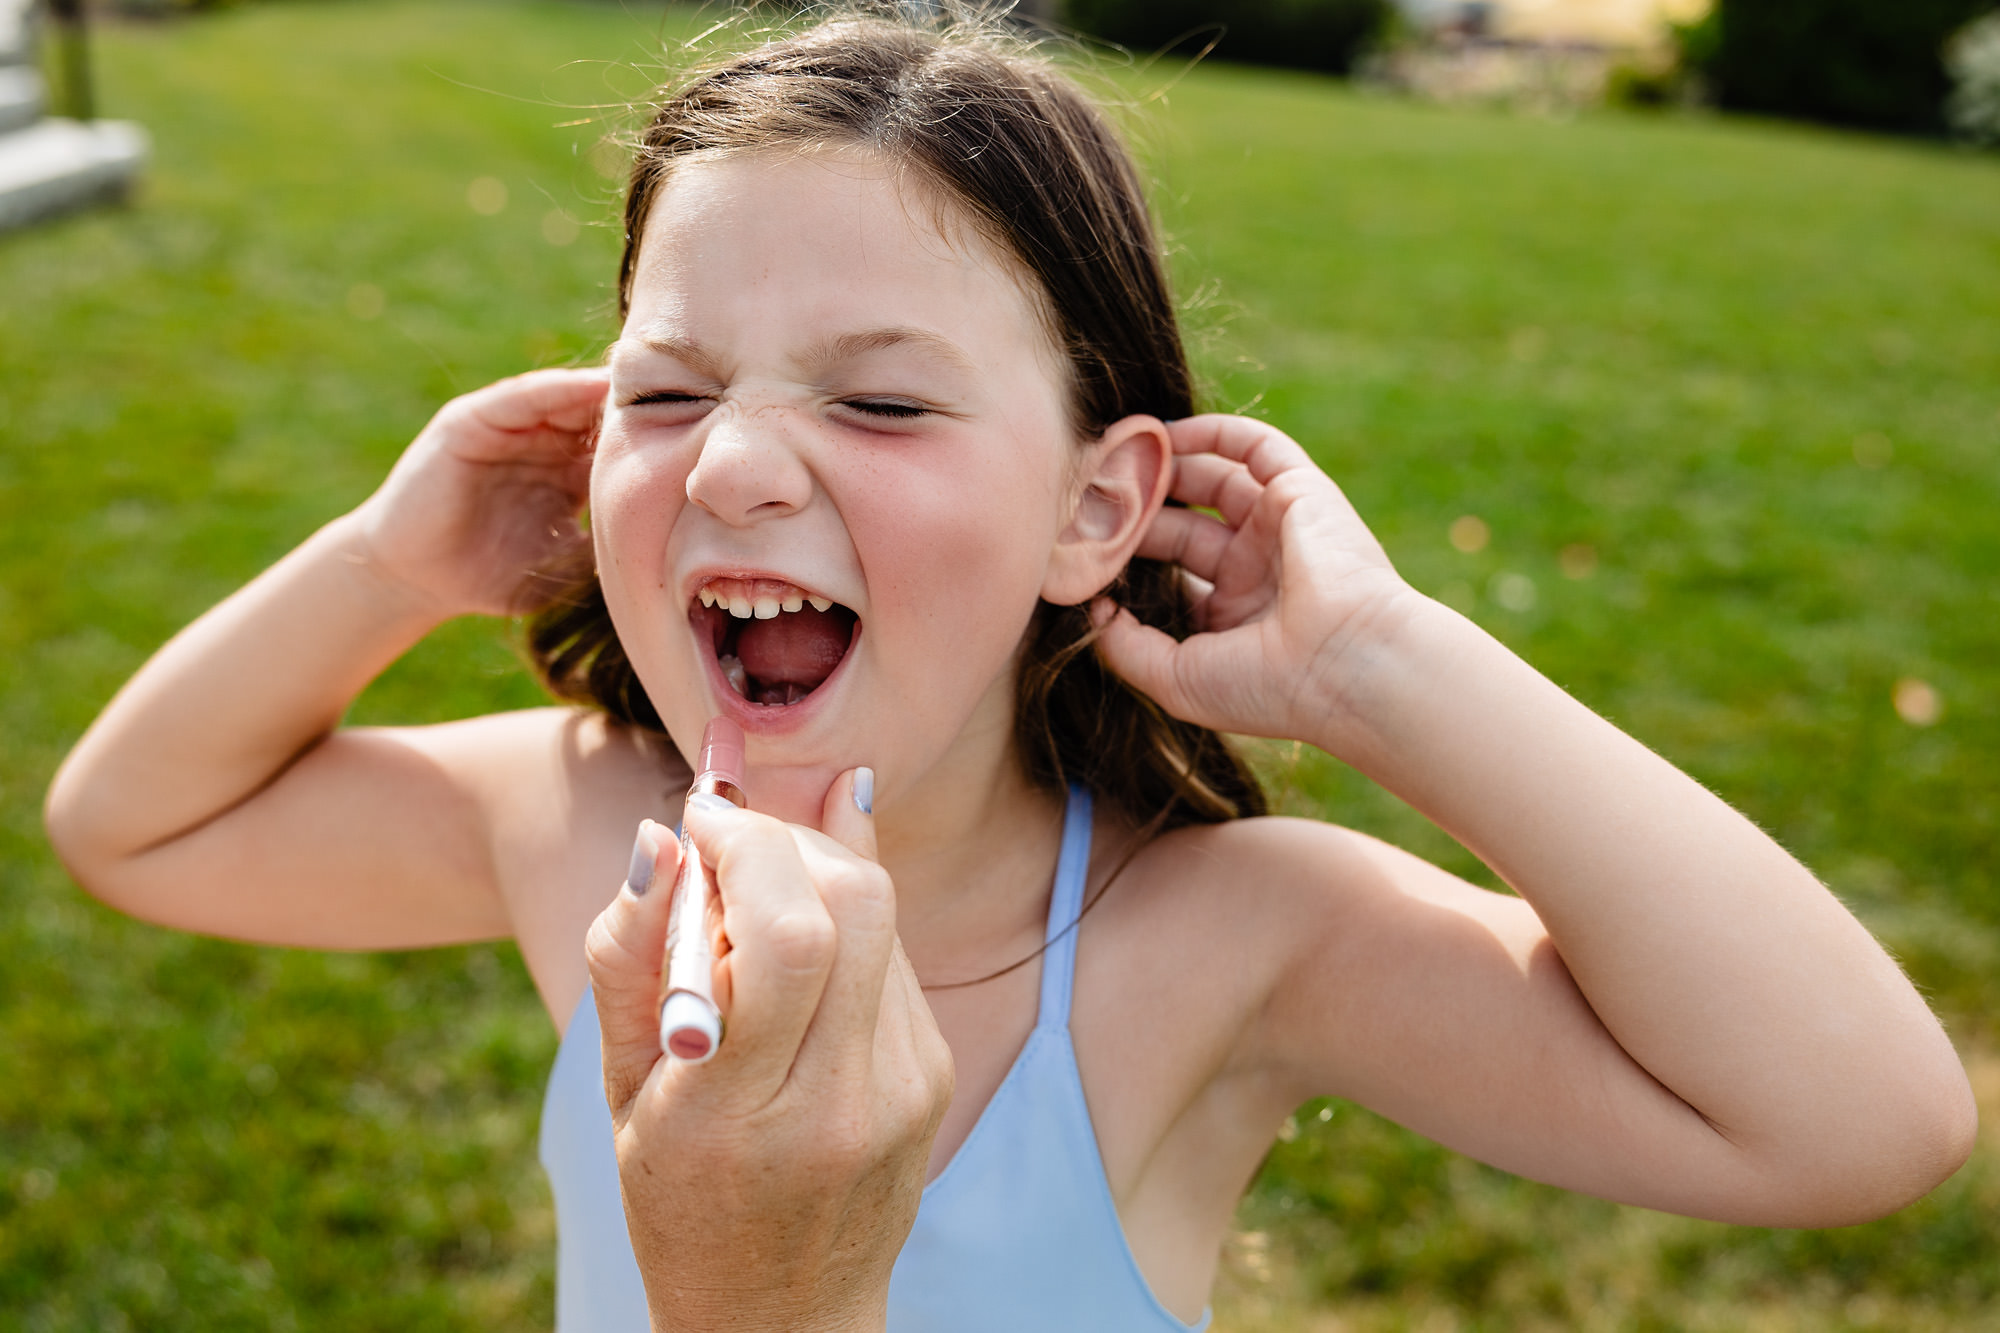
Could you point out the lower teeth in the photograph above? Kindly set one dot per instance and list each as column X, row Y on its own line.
column 733, row 672
column 739, row 680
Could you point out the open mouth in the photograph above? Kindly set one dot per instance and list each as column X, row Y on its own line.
column 774, row 642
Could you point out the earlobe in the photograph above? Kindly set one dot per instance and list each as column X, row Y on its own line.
column 1126, row 474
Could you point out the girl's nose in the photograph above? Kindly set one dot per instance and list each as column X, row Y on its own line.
column 750, row 467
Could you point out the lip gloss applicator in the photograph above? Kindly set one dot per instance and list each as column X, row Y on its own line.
column 690, row 1023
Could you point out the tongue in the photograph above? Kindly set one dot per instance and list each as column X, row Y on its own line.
column 796, row 648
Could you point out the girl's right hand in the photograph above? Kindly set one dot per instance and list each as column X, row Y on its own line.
column 1292, row 594
column 488, row 494
column 773, row 1186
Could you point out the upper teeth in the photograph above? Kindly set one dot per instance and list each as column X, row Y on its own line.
column 762, row 598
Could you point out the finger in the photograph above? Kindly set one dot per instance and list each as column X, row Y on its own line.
column 781, row 942
column 862, row 900
column 847, row 815
column 1189, row 538
column 624, row 950
column 1140, row 654
column 1217, row 483
column 905, row 992
column 910, row 1032
column 569, row 400
column 1262, row 449
column 1199, row 591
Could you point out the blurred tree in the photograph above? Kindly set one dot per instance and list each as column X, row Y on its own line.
column 1327, row 35
column 1872, row 63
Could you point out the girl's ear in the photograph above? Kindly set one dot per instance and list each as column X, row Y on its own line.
column 1126, row 475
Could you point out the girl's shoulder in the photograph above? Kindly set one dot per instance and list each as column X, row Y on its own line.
column 1242, row 901
column 1290, row 920
column 1194, row 966
column 535, row 763
column 1269, row 872
column 541, row 781
column 1280, row 872
column 560, row 793
column 561, row 790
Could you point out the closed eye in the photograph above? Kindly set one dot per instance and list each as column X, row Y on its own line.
column 895, row 409
column 661, row 396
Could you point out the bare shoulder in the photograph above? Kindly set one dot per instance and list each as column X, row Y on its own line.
column 1319, row 925
column 1307, row 877
column 1207, row 922
column 561, row 792
column 1297, row 883
column 1251, row 891
column 1219, row 963
column 531, row 769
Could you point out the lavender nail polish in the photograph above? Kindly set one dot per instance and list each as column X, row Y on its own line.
column 639, row 877
column 864, row 790
column 709, row 801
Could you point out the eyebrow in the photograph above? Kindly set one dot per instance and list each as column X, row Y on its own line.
column 684, row 350
column 826, row 352
column 847, row 346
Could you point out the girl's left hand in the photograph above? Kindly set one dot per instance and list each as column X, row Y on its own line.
column 1289, row 587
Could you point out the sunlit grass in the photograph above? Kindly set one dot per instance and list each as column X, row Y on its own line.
column 1722, row 397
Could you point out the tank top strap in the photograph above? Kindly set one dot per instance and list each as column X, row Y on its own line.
column 1065, row 907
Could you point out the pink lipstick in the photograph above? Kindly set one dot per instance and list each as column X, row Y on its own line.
column 690, row 1022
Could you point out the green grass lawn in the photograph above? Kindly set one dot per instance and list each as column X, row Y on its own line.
column 1725, row 397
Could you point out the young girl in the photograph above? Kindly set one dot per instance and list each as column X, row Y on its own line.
column 894, row 463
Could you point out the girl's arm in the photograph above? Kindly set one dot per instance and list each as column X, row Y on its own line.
column 214, row 792
column 1678, row 1014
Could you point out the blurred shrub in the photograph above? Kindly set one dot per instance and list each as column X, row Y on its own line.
column 1328, row 35
column 1638, row 84
column 1697, row 43
column 1677, row 76
column 1872, row 63
column 1973, row 61
column 165, row 8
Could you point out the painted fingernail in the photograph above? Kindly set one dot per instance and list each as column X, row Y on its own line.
column 864, row 790
column 709, row 801
column 639, row 877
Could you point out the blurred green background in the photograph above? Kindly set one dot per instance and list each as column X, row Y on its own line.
column 1699, row 415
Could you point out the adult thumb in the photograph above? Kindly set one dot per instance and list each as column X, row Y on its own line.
column 848, row 813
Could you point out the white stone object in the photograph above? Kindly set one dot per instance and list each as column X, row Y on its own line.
column 57, row 165
column 17, row 32
column 1973, row 60
column 52, row 166
column 21, row 97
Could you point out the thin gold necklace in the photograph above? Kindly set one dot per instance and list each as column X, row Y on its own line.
column 1138, row 845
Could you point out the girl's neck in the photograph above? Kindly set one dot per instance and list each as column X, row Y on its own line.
column 972, row 854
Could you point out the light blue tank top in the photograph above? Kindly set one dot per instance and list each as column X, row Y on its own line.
column 1018, row 1232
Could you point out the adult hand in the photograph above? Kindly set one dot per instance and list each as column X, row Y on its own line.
column 488, row 495
column 1289, row 586
column 773, row 1186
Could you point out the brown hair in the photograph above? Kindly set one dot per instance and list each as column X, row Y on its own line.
column 994, row 128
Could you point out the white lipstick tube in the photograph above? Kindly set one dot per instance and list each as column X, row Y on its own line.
column 690, row 1021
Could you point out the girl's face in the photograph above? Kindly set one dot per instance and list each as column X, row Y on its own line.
column 833, row 470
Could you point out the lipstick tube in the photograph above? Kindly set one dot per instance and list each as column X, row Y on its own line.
column 690, row 1022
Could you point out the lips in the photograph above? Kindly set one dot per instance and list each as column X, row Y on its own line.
column 774, row 642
